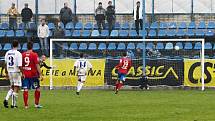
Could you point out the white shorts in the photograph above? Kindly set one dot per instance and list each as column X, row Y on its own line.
column 82, row 78
column 15, row 78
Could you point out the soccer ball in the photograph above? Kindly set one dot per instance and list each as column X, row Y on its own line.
column 177, row 48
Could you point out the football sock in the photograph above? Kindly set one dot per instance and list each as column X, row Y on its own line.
column 9, row 94
column 79, row 86
column 37, row 97
column 14, row 98
column 117, row 85
column 120, row 85
column 25, row 96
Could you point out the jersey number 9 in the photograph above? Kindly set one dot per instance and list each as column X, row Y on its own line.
column 27, row 61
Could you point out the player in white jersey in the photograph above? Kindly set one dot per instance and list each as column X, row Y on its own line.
column 82, row 66
column 13, row 61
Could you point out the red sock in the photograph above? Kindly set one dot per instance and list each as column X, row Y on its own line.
column 37, row 97
column 120, row 85
column 25, row 97
column 117, row 85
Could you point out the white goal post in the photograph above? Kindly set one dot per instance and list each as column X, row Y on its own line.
column 202, row 51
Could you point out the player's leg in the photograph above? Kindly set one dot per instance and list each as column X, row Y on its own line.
column 10, row 92
column 119, row 85
column 36, row 86
column 25, row 86
column 17, row 85
column 81, row 80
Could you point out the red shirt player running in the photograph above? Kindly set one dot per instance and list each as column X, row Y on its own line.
column 32, row 73
column 123, row 68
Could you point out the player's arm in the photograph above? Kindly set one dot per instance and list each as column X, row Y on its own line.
column 119, row 65
column 19, row 58
column 75, row 66
column 6, row 71
column 90, row 66
column 37, row 62
column 39, row 71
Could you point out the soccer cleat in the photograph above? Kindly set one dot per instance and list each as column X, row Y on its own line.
column 5, row 104
column 26, row 107
column 116, row 91
column 77, row 93
column 38, row 106
column 13, row 106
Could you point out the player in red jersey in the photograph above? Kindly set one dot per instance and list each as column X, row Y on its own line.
column 32, row 73
column 123, row 68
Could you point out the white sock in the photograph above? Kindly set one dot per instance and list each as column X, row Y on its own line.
column 79, row 86
column 9, row 94
column 14, row 98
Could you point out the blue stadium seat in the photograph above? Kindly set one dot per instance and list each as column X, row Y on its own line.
column 4, row 26
column 201, row 25
column 20, row 33
column 21, row 26
column 211, row 25
column 32, row 26
column 50, row 33
column 162, row 33
column 182, row 25
column 133, row 26
column 149, row 45
column 88, row 26
column 92, row 46
column 7, row 47
column 24, row 47
column 117, row 26
column 51, row 26
column 102, row 46
column 142, row 33
column 152, row 33
column 197, row 46
column 192, row 25
column 28, row 34
column 95, row 33
column 114, row 33
column 104, row 33
column 200, row 33
column 121, row 46
column 73, row 46
column 131, row 46
column 78, row 26
column 160, row 46
column 36, row 46
column 69, row 26
column 180, row 33
column 10, row 33
column 65, row 46
column 19, row 47
column 0, row 47
column 125, row 26
column 188, row 46
column 171, row 32
column 154, row 25
column 76, row 33
column 2, row 33
column 83, row 46
column 147, row 25
column 208, row 46
column 95, row 27
column 172, row 25
column 133, row 33
column 86, row 33
column 106, row 26
column 123, row 33
column 180, row 45
column 209, row 33
column 169, row 46
column 140, row 46
column 111, row 46
column 190, row 32
column 67, row 33
column 62, row 26
column 163, row 25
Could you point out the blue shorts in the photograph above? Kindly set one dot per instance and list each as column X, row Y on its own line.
column 30, row 83
column 121, row 77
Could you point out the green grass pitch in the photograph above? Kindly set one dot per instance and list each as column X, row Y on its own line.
column 103, row 105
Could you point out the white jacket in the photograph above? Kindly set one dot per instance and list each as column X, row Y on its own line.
column 43, row 31
column 140, row 12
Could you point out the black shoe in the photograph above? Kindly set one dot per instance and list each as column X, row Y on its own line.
column 5, row 103
column 13, row 106
column 141, row 87
column 116, row 92
column 77, row 93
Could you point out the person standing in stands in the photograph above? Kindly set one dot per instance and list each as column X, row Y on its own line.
column 43, row 34
column 65, row 14
column 13, row 13
column 100, row 17
column 138, row 17
column 110, row 15
column 27, row 15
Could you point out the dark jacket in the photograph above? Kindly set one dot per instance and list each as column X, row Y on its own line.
column 26, row 14
column 100, row 14
column 66, row 14
column 110, row 13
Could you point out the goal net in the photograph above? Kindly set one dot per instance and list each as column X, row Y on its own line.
column 169, row 62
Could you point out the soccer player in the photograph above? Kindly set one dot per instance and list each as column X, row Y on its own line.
column 123, row 68
column 32, row 73
column 13, row 60
column 82, row 65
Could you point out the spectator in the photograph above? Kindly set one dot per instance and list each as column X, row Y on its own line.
column 58, row 32
column 110, row 15
column 43, row 34
column 138, row 17
column 13, row 13
column 65, row 14
column 27, row 15
column 100, row 16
